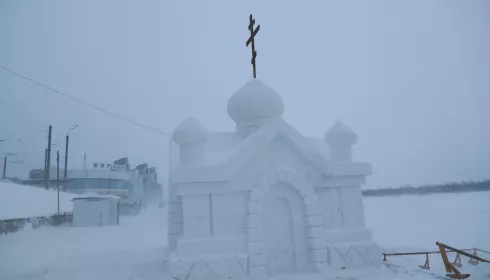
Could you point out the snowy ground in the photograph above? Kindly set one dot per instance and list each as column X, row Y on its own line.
column 414, row 223
column 135, row 249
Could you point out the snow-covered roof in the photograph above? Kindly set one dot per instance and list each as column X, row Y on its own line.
column 98, row 197
column 219, row 147
column 320, row 145
column 227, row 153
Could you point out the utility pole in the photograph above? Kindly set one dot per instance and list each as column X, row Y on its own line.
column 4, row 166
column 58, row 178
column 66, row 150
column 66, row 164
column 66, row 156
column 48, row 161
column 45, row 161
column 85, row 169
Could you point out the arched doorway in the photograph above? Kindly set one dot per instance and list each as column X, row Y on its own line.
column 285, row 237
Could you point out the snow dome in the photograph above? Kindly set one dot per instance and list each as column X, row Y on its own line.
column 254, row 104
column 190, row 135
column 341, row 138
column 340, row 134
column 190, row 131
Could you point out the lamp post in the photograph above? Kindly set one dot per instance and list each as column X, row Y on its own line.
column 66, row 150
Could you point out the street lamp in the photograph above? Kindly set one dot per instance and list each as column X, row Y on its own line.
column 66, row 150
column 71, row 129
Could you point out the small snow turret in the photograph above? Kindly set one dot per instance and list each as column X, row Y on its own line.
column 253, row 105
column 340, row 138
column 191, row 136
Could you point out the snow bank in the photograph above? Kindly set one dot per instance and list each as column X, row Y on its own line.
column 20, row 201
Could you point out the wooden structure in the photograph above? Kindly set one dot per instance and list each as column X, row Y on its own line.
column 385, row 255
column 451, row 267
column 251, row 40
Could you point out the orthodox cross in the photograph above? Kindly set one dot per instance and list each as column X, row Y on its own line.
column 251, row 40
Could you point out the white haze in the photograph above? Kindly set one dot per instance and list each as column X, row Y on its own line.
column 410, row 77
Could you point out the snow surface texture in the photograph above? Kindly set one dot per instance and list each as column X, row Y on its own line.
column 276, row 204
column 19, row 201
column 134, row 250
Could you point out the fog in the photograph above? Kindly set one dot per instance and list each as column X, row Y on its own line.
column 411, row 78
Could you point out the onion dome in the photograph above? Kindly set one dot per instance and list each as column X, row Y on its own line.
column 254, row 102
column 190, row 131
column 340, row 135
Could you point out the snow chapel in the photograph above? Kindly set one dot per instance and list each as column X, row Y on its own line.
column 264, row 200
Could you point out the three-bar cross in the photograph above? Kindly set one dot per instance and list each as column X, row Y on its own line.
column 251, row 40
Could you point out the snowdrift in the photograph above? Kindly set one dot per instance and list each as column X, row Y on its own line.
column 20, row 201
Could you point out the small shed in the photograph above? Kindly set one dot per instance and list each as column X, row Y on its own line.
column 96, row 210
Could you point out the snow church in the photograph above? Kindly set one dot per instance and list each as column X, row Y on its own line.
column 263, row 199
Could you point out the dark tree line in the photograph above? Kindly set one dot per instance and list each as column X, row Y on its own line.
column 469, row 186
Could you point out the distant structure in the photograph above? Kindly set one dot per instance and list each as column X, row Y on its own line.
column 136, row 186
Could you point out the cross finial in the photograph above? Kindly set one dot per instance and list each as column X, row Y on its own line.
column 251, row 40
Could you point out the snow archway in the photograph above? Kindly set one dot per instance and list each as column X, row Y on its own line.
column 312, row 219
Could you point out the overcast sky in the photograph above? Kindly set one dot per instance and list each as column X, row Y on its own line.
column 412, row 78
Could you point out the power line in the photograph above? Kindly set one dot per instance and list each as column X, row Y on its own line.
column 83, row 102
column 17, row 134
column 22, row 114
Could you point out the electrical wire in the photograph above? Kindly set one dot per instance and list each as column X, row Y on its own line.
column 51, row 89
column 17, row 134
column 21, row 114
